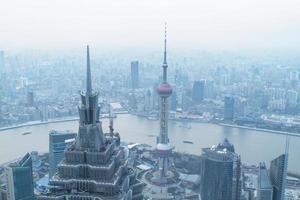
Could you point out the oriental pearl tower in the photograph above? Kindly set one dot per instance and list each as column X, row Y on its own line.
column 163, row 148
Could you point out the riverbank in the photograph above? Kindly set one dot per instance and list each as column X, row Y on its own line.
column 34, row 123
column 57, row 120
column 254, row 146
column 259, row 129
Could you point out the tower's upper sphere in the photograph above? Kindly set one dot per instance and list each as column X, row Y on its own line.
column 164, row 90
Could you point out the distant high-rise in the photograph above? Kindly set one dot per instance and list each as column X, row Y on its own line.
column 220, row 173
column 30, row 99
column 20, row 179
column 95, row 166
column 148, row 101
column 264, row 187
column 278, row 171
column 134, row 74
column 57, row 146
column 228, row 108
column 173, row 103
column 198, row 91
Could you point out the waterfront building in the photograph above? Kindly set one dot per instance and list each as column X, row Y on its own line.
column 198, row 91
column 147, row 104
column 20, row 179
column 134, row 74
column 57, row 145
column 278, row 172
column 291, row 100
column 95, row 166
column 264, row 187
column 228, row 108
column 173, row 101
column 220, row 172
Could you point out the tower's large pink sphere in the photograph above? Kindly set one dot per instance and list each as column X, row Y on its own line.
column 164, row 89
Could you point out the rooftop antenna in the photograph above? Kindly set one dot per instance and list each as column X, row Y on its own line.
column 165, row 50
column 287, row 145
column 111, row 123
column 165, row 65
column 88, row 72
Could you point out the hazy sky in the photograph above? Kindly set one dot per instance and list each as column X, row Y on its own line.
column 217, row 24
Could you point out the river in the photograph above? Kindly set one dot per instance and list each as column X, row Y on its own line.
column 253, row 146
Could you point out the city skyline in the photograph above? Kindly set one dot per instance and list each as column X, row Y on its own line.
column 202, row 116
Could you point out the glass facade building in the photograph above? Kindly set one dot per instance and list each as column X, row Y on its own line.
column 20, row 179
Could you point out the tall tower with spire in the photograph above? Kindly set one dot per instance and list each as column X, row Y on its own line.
column 94, row 167
column 163, row 147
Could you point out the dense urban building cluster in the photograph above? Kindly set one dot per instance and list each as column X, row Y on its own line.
column 93, row 165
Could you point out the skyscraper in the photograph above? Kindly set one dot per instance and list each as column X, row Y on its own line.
column 94, row 167
column 30, row 99
column 228, row 108
column 198, row 91
column 220, row 173
column 278, row 171
column 173, row 101
column 20, row 179
column 264, row 187
column 134, row 74
column 57, row 146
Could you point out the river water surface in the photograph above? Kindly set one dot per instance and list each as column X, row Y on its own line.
column 253, row 146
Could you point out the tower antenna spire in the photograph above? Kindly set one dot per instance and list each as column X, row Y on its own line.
column 88, row 72
column 287, row 145
column 165, row 51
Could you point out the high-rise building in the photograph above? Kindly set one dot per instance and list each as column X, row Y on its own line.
column 278, row 171
column 209, row 90
column 57, row 145
column 20, row 179
column 95, row 166
column 30, row 99
column 220, row 173
column 134, row 74
column 198, row 91
column 148, row 101
column 228, row 108
column 264, row 187
column 173, row 101
column 3, row 193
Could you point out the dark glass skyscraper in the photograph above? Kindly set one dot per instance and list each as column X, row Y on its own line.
column 278, row 171
column 20, row 179
column 228, row 108
column 95, row 166
column 134, row 74
column 57, row 146
column 198, row 91
column 264, row 187
column 221, row 173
